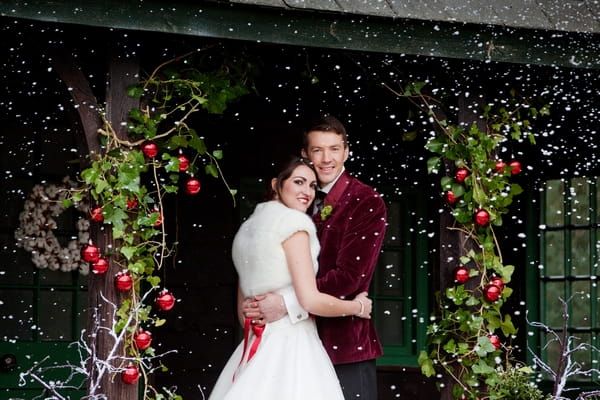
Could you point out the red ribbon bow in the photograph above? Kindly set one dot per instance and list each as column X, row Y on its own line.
column 258, row 331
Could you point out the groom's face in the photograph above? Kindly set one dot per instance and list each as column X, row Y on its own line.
column 328, row 152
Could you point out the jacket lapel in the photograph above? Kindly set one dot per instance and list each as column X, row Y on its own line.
column 334, row 196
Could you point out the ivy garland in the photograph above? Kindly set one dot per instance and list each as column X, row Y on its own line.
column 463, row 337
column 128, row 181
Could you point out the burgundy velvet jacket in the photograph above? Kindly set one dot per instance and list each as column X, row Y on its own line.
column 351, row 237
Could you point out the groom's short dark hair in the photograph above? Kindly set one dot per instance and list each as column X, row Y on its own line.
column 326, row 123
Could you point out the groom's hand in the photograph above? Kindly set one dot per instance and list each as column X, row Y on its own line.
column 250, row 309
column 272, row 307
column 264, row 308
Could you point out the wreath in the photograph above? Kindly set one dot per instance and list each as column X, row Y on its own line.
column 37, row 222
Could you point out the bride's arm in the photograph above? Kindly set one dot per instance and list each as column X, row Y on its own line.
column 298, row 256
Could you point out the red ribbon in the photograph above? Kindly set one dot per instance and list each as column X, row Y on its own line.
column 258, row 331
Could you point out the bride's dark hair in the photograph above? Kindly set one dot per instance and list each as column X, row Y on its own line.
column 284, row 170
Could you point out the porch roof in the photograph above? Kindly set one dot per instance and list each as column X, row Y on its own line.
column 550, row 15
column 544, row 32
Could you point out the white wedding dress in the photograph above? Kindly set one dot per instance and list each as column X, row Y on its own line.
column 289, row 361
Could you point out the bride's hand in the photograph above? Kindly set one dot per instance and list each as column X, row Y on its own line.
column 366, row 305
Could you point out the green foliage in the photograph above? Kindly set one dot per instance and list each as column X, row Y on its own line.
column 459, row 338
column 516, row 384
column 130, row 185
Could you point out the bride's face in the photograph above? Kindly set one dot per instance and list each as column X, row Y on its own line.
column 298, row 191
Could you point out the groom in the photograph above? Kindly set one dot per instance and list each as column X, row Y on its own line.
column 350, row 222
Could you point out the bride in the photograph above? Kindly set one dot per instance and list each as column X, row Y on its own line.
column 276, row 250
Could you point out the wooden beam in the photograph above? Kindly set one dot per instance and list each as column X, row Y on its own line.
column 327, row 30
column 84, row 101
column 102, row 294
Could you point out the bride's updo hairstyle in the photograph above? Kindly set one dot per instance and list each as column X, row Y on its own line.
column 284, row 170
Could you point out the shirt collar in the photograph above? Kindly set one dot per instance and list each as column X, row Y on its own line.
column 328, row 187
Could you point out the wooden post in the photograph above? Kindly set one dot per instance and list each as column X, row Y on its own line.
column 122, row 72
column 454, row 243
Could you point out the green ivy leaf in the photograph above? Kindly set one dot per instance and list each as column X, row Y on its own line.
column 197, row 144
column 482, row 368
column 507, row 326
column 426, row 364
column 435, row 145
column 135, row 91
column 137, row 267
column 128, row 251
column 100, row 184
column 433, row 165
column 153, row 280
column 211, row 169
column 485, row 346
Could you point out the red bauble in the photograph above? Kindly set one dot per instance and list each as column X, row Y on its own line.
column 496, row 280
column 184, row 163
column 123, row 281
column 150, row 149
column 515, row 167
column 96, row 215
column 100, row 266
column 491, row 293
column 130, row 375
column 461, row 274
column 192, row 186
column 461, row 175
column 159, row 219
column 165, row 300
column 90, row 253
column 142, row 339
column 500, row 166
column 495, row 341
column 450, row 198
column 482, row 217
column 132, row 203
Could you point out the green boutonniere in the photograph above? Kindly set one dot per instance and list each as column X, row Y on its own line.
column 326, row 212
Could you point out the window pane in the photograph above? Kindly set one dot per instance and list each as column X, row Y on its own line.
column 553, row 308
column 595, row 268
column 554, row 253
column 15, row 263
column 49, row 277
column 389, row 275
column 580, row 305
column 552, row 351
column 580, row 201
column 580, row 252
column 554, row 203
column 14, row 193
column 83, row 311
column 583, row 356
column 390, row 322
column 393, row 230
column 56, row 315
column 598, row 199
column 16, row 314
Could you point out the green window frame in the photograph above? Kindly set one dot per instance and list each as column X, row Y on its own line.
column 41, row 311
column 566, row 257
column 400, row 287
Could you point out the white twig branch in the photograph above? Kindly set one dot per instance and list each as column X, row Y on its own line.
column 566, row 367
